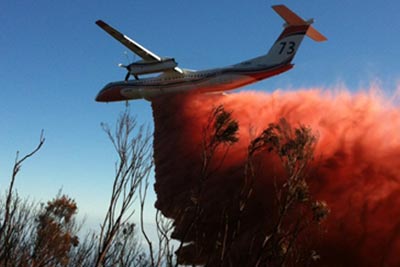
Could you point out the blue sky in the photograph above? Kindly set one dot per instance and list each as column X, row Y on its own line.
column 54, row 60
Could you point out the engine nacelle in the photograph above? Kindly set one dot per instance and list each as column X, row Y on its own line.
column 146, row 67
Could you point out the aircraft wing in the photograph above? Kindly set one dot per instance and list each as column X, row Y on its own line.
column 131, row 44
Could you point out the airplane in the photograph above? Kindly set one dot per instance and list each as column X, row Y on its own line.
column 173, row 79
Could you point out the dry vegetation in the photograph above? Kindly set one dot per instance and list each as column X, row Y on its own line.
column 48, row 234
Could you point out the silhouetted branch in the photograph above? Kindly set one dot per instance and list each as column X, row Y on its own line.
column 17, row 166
column 134, row 165
column 14, row 229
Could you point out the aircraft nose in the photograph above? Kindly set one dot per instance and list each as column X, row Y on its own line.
column 109, row 94
column 100, row 97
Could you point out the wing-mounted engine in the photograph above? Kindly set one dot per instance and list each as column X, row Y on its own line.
column 151, row 62
column 146, row 67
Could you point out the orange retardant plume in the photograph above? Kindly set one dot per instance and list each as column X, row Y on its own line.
column 356, row 169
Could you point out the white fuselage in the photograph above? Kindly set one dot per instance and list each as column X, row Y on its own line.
column 213, row 80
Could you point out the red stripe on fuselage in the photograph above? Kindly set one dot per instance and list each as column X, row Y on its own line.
column 263, row 75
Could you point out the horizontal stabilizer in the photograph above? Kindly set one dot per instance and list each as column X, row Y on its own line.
column 315, row 35
column 292, row 19
column 288, row 15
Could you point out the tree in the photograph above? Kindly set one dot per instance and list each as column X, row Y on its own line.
column 292, row 215
column 294, row 204
column 15, row 217
column 133, row 167
column 48, row 236
column 56, row 233
column 32, row 236
column 118, row 241
column 220, row 132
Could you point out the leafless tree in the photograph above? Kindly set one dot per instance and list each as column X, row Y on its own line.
column 160, row 251
column 83, row 255
column 15, row 232
column 17, row 241
column 133, row 146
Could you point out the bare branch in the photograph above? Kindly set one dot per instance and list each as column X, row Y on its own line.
column 16, row 169
column 134, row 165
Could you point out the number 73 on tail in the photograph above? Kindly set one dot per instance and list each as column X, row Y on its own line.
column 175, row 80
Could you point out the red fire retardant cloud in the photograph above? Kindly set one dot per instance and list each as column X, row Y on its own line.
column 356, row 166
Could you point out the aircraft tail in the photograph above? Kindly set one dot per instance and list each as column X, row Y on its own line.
column 285, row 47
column 292, row 19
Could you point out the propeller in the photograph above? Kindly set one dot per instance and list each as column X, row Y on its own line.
column 127, row 67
